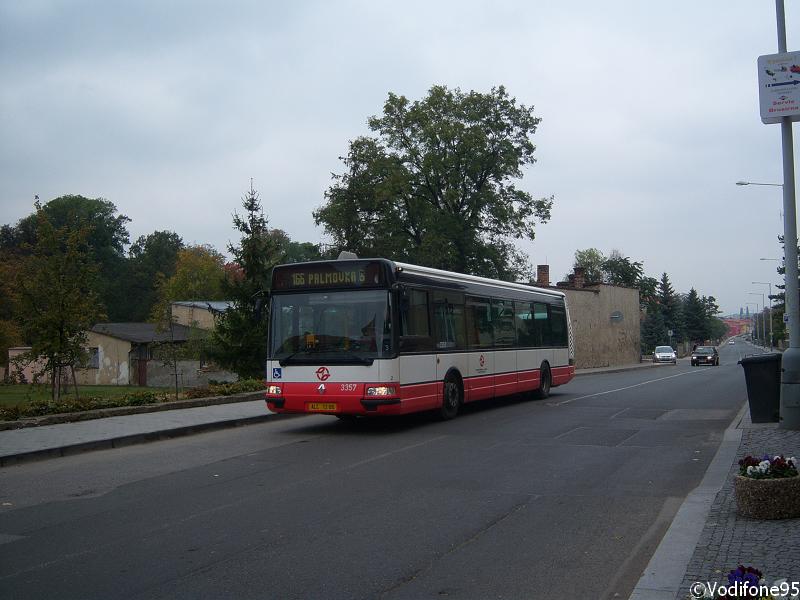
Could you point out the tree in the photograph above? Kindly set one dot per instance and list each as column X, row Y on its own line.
column 55, row 284
column 199, row 275
column 152, row 258
column 435, row 185
column 239, row 340
column 715, row 327
column 648, row 287
column 291, row 251
column 106, row 238
column 621, row 270
column 654, row 332
column 694, row 312
column 591, row 261
column 10, row 332
column 670, row 306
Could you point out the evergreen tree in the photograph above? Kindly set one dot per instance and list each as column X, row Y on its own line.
column 670, row 306
column 239, row 340
column 654, row 332
column 694, row 312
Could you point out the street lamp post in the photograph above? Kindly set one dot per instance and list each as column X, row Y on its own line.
column 754, row 319
column 790, row 361
column 763, row 335
column 770, row 309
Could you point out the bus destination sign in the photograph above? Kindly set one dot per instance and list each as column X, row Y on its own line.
column 328, row 275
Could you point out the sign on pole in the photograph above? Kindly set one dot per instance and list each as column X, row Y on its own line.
column 779, row 86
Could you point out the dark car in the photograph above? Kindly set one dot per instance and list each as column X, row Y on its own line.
column 705, row 355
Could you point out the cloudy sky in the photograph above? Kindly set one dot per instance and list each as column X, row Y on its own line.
column 649, row 115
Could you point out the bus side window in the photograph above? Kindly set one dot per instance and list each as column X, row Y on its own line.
column 479, row 326
column 541, row 325
column 415, row 333
column 503, row 323
column 448, row 320
column 558, row 326
column 523, row 318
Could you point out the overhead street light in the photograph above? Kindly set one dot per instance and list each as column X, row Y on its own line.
column 757, row 183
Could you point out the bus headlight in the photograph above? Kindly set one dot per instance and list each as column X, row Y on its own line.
column 273, row 390
column 382, row 390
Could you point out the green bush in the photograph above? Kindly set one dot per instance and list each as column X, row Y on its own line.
column 227, row 389
column 143, row 398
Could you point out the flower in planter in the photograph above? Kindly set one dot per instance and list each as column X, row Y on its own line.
column 745, row 575
column 768, row 467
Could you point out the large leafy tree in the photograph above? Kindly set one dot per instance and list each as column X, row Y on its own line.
column 55, row 284
column 621, row 270
column 151, row 259
column 106, row 237
column 239, row 340
column 10, row 332
column 435, row 184
column 591, row 260
column 294, row 252
column 648, row 289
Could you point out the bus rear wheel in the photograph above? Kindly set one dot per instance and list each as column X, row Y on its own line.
column 452, row 395
column 544, row 384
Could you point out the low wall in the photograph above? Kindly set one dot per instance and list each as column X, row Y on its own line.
column 189, row 374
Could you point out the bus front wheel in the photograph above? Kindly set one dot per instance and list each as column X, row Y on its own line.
column 546, row 380
column 451, row 397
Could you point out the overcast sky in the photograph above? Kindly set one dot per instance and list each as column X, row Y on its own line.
column 649, row 115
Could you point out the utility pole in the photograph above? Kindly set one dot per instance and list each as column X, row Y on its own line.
column 790, row 368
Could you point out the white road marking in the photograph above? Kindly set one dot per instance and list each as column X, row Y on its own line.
column 623, row 388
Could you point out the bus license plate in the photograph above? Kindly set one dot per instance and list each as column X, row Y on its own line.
column 323, row 406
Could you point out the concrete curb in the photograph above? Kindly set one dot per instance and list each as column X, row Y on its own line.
column 130, row 440
column 621, row 368
column 664, row 573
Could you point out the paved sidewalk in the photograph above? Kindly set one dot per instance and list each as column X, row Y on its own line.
column 49, row 441
column 729, row 540
column 707, row 538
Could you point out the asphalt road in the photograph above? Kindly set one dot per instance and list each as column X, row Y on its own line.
column 566, row 497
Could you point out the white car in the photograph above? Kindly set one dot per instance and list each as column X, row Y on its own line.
column 731, row 342
column 665, row 354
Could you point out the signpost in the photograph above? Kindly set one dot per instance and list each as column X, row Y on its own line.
column 779, row 79
column 779, row 86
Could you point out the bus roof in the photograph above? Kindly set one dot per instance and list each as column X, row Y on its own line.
column 452, row 276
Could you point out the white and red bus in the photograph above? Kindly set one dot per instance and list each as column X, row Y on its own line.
column 374, row 337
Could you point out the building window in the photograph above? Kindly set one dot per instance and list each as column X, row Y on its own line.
column 93, row 358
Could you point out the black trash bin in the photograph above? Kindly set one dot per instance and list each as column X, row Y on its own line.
column 762, row 373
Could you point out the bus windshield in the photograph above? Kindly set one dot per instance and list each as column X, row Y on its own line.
column 328, row 327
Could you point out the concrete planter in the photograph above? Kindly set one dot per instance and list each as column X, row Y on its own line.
column 768, row 498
